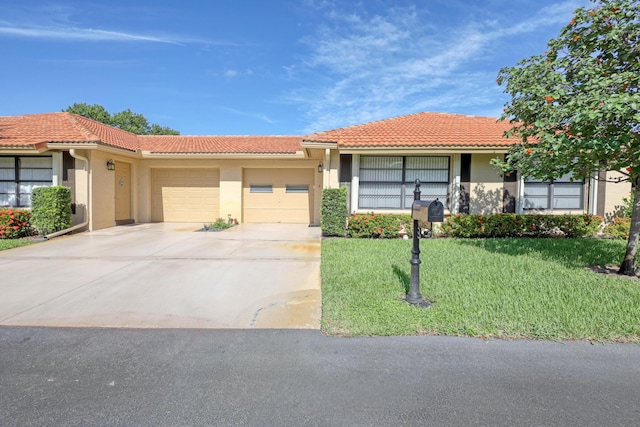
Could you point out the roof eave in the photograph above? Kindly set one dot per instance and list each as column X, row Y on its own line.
column 318, row 144
column 156, row 155
column 440, row 149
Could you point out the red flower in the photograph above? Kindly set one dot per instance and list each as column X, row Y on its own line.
column 549, row 98
column 529, row 151
column 630, row 169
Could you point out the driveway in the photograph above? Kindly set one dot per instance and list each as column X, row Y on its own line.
column 167, row 276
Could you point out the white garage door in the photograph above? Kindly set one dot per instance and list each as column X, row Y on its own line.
column 185, row 195
column 278, row 195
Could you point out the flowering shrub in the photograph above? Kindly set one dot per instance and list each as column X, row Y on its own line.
column 379, row 226
column 14, row 223
column 520, row 225
column 618, row 229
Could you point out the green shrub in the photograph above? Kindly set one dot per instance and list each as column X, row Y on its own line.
column 333, row 211
column 14, row 224
column 379, row 226
column 521, row 225
column 51, row 209
column 627, row 205
column 618, row 229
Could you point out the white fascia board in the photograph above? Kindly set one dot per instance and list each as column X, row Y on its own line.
column 319, row 144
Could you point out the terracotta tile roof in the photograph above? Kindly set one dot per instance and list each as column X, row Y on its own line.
column 175, row 144
column 420, row 130
column 109, row 135
column 36, row 130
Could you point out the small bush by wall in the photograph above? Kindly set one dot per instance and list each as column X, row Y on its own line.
column 333, row 212
column 521, row 225
column 380, row 226
column 14, row 223
column 618, row 229
column 51, row 209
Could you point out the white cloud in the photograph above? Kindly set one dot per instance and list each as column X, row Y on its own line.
column 253, row 115
column 400, row 62
column 81, row 34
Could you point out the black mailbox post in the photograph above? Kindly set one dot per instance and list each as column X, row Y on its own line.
column 419, row 212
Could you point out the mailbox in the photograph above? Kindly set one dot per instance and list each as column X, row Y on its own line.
column 420, row 210
column 435, row 211
column 427, row 211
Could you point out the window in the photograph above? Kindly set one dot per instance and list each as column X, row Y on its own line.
column 20, row 175
column 388, row 182
column 261, row 188
column 297, row 188
column 558, row 194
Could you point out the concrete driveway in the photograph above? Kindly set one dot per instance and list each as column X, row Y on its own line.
column 167, row 276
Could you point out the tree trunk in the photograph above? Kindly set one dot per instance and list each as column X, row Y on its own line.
column 628, row 266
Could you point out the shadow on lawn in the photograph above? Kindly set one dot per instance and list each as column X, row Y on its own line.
column 404, row 278
column 573, row 253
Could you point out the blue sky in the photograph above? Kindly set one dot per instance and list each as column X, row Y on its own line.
column 277, row 67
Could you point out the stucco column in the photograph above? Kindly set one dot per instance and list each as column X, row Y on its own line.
column 455, row 188
column 56, row 160
column 593, row 194
column 355, row 182
column 231, row 191
column 520, row 195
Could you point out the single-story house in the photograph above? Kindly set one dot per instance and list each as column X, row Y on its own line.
column 117, row 177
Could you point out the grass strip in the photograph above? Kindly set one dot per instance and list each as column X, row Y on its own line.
column 14, row 243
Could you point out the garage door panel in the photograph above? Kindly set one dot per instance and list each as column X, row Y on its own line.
column 185, row 195
column 290, row 198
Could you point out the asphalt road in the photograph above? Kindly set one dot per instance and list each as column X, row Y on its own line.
column 125, row 377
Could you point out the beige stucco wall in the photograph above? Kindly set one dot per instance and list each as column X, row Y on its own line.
column 80, row 188
column 486, row 190
column 615, row 192
column 102, row 182
column 231, row 191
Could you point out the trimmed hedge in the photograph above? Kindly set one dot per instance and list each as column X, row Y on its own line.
column 333, row 211
column 51, row 209
column 379, row 226
column 14, row 223
column 521, row 225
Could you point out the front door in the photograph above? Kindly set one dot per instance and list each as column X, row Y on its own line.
column 123, row 193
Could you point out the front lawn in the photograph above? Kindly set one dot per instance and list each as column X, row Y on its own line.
column 504, row 288
column 13, row 243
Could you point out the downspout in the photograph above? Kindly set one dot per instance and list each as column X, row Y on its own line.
column 87, row 213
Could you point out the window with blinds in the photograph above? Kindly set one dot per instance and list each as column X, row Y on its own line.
column 561, row 194
column 387, row 182
column 20, row 175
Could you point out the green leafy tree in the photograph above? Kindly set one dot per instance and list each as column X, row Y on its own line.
column 125, row 120
column 575, row 108
column 95, row 112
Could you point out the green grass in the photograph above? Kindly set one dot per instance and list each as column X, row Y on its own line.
column 13, row 243
column 504, row 288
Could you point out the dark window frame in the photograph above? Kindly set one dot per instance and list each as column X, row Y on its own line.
column 550, row 196
column 17, row 181
column 406, row 187
column 297, row 189
column 261, row 188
